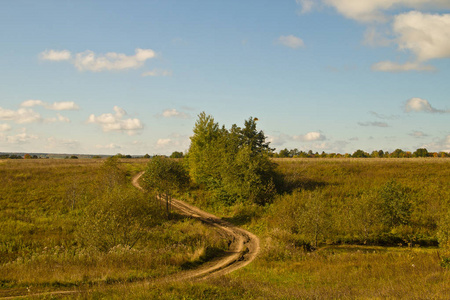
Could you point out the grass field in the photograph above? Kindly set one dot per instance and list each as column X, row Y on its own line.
column 50, row 237
column 357, row 252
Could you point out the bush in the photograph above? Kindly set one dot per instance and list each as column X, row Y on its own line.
column 121, row 216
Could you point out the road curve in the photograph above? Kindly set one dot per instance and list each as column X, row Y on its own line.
column 244, row 245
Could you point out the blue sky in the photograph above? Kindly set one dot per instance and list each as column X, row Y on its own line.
column 106, row 77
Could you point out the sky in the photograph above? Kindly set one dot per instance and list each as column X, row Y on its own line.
column 131, row 77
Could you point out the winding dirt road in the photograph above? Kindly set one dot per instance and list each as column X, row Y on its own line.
column 244, row 245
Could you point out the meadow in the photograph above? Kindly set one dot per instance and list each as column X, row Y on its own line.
column 80, row 223
column 334, row 230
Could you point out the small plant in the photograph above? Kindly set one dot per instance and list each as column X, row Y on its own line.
column 445, row 262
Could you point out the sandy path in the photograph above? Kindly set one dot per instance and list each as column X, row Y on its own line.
column 244, row 245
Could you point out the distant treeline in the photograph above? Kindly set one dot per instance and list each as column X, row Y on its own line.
column 398, row 153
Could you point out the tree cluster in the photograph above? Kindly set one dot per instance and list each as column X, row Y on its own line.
column 232, row 163
column 397, row 153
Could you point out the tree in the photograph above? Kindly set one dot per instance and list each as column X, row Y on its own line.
column 395, row 204
column 284, row 153
column 234, row 164
column 398, row 153
column 176, row 154
column 360, row 153
column 204, row 151
column 312, row 217
column 421, row 152
column 165, row 176
column 111, row 175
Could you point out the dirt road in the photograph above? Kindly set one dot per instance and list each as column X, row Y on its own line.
column 244, row 245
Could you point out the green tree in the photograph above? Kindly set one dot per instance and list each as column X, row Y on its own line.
column 284, row 153
column 165, row 176
column 360, row 153
column 395, row 204
column 312, row 217
column 443, row 233
column 176, row 154
column 421, row 152
column 111, row 174
column 234, row 164
column 398, row 153
column 204, row 154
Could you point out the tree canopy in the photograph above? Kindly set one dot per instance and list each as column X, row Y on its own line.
column 234, row 164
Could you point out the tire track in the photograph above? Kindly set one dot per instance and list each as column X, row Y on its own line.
column 244, row 246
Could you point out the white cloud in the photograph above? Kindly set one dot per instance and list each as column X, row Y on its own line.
column 20, row 138
column 278, row 140
column 418, row 134
column 67, row 144
column 163, row 142
column 438, row 145
column 32, row 103
column 291, row 41
column 388, row 66
column 157, row 73
column 383, row 117
column 310, row 137
column 5, row 127
column 111, row 146
column 419, row 104
column 374, row 10
column 425, row 35
column 55, row 55
column 90, row 61
column 58, row 118
column 374, row 38
column 175, row 142
column 307, row 5
column 173, row 113
column 373, row 124
column 20, row 116
column 63, row 105
column 116, row 122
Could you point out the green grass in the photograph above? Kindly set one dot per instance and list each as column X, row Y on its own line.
column 46, row 243
column 341, row 267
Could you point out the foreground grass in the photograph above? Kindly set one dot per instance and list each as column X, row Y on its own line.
column 340, row 268
column 46, row 210
column 338, row 272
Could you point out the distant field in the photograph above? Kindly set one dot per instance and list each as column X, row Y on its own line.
column 326, row 234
